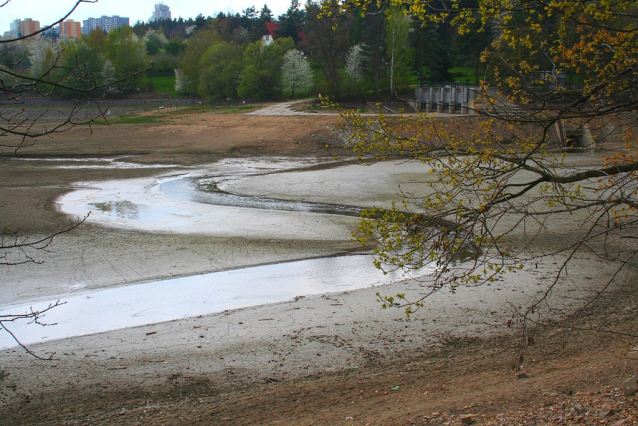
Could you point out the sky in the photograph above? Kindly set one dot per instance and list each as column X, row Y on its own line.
column 49, row 11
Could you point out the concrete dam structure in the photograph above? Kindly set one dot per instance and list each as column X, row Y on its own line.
column 448, row 98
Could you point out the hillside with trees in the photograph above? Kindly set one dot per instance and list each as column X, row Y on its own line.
column 350, row 55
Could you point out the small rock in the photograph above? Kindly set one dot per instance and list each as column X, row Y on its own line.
column 468, row 420
column 578, row 408
column 522, row 376
column 630, row 386
column 604, row 412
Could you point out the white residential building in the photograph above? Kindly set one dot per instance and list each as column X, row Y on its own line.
column 161, row 12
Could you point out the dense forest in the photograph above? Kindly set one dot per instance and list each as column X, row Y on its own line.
column 381, row 53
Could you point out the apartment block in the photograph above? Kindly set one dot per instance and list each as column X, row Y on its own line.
column 107, row 23
column 70, row 29
column 28, row 26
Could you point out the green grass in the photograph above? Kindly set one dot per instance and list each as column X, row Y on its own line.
column 139, row 119
column 163, row 84
column 219, row 109
column 167, row 115
column 463, row 74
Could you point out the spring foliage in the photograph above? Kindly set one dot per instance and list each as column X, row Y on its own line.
column 562, row 74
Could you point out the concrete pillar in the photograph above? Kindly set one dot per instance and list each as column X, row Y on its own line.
column 452, row 100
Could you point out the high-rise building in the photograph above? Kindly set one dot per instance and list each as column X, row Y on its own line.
column 161, row 12
column 70, row 29
column 28, row 26
column 107, row 23
column 14, row 28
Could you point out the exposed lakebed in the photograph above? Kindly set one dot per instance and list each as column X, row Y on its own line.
column 211, row 201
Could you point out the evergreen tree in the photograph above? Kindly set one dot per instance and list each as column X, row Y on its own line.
column 328, row 45
column 265, row 14
column 249, row 13
column 371, row 37
column 291, row 21
column 469, row 46
column 431, row 57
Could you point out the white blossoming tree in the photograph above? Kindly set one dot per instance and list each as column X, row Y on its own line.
column 354, row 63
column 296, row 73
column 40, row 53
column 181, row 81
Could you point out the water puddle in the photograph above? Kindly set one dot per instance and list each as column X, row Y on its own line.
column 158, row 301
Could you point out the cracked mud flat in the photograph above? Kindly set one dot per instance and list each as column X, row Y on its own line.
column 333, row 359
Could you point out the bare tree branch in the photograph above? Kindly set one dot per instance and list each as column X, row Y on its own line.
column 34, row 317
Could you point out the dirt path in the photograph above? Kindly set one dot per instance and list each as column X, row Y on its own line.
column 330, row 360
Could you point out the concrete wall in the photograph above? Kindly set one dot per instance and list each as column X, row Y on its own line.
column 450, row 99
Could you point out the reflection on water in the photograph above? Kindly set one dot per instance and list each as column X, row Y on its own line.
column 120, row 209
column 206, row 190
column 132, row 211
column 138, row 304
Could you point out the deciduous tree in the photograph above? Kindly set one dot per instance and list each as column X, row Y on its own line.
column 296, row 74
column 261, row 75
column 220, row 71
column 354, row 63
column 397, row 29
column 506, row 173
column 195, row 49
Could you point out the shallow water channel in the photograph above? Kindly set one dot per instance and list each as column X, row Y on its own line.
column 146, row 303
column 198, row 203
